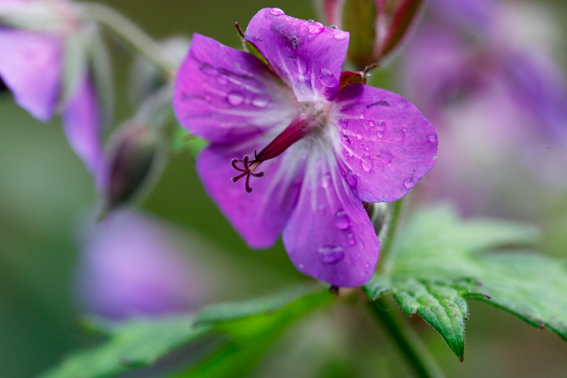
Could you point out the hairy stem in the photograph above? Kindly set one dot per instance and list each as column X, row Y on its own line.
column 131, row 33
column 387, row 234
column 406, row 340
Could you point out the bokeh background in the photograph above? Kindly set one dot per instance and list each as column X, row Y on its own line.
column 47, row 204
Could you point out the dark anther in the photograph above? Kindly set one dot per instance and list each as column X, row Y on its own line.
column 247, row 171
column 334, row 290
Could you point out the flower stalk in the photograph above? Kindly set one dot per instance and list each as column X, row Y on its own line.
column 132, row 34
column 406, row 340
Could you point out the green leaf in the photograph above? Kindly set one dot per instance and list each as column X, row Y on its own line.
column 252, row 336
column 135, row 344
column 232, row 311
column 440, row 259
column 441, row 304
column 251, row 328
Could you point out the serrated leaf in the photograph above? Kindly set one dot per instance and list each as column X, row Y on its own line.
column 252, row 336
column 135, row 344
column 439, row 303
column 440, row 259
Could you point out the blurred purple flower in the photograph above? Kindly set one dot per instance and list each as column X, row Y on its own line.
column 32, row 65
column 134, row 265
column 323, row 149
column 475, row 72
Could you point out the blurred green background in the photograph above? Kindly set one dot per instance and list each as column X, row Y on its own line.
column 45, row 192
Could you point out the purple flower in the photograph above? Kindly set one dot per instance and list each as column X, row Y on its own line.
column 133, row 265
column 31, row 66
column 309, row 151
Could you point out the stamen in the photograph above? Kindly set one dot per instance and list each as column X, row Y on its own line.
column 294, row 132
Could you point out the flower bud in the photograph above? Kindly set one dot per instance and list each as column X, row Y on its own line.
column 135, row 153
column 376, row 27
column 146, row 78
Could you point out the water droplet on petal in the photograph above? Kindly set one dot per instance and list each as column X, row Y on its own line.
column 384, row 157
column 371, row 124
column 340, row 35
column 381, row 126
column 402, row 104
column 341, row 221
column 334, row 27
column 343, row 122
column 433, row 138
column 399, row 135
column 380, row 134
column 331, row 254
column 366, row 163
column 300, row 266
column 316, row 28
column 366, row 147
column 260, row 101
column 276, row 12
column 326, row 180
column 351, row 178
column 346, row 140
column 222, row 80
column 358, row 136
column 326, row 77
column 351, row 239
column 408, row 183
column 235, row 98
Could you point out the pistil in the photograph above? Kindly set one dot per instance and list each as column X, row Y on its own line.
column 293, row 133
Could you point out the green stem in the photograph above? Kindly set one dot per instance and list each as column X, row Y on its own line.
column 408, row 342
column 131, row 33
column 388, row 235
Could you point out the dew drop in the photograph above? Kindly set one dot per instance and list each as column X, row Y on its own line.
column 351, row 239
column 260, row 101
column 235, row 98
column 326, row 181
column 331, row 254
column 327, row 78
column 399, row 135
column 351, row 178
column 300, row 266
column 371, row 124
column 222, row 80
column 276, row 12
column 343, row 122
column 340, row 35
column 316, row 28
column 380, row 134
column 366, row 163
column 433, row 138
column 402, row 104
column 341, row 221
column 408, row 183
column 381, row 126
column 358, row 136
column 334, row 27
column 384, row 157
column 346, row 140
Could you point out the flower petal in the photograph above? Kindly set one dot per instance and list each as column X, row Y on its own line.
column 81, row 123
column 329, row 235
column 30, row 65
column 386, row 144
column 258, row 216
column 223, row 95
column 306, row 55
